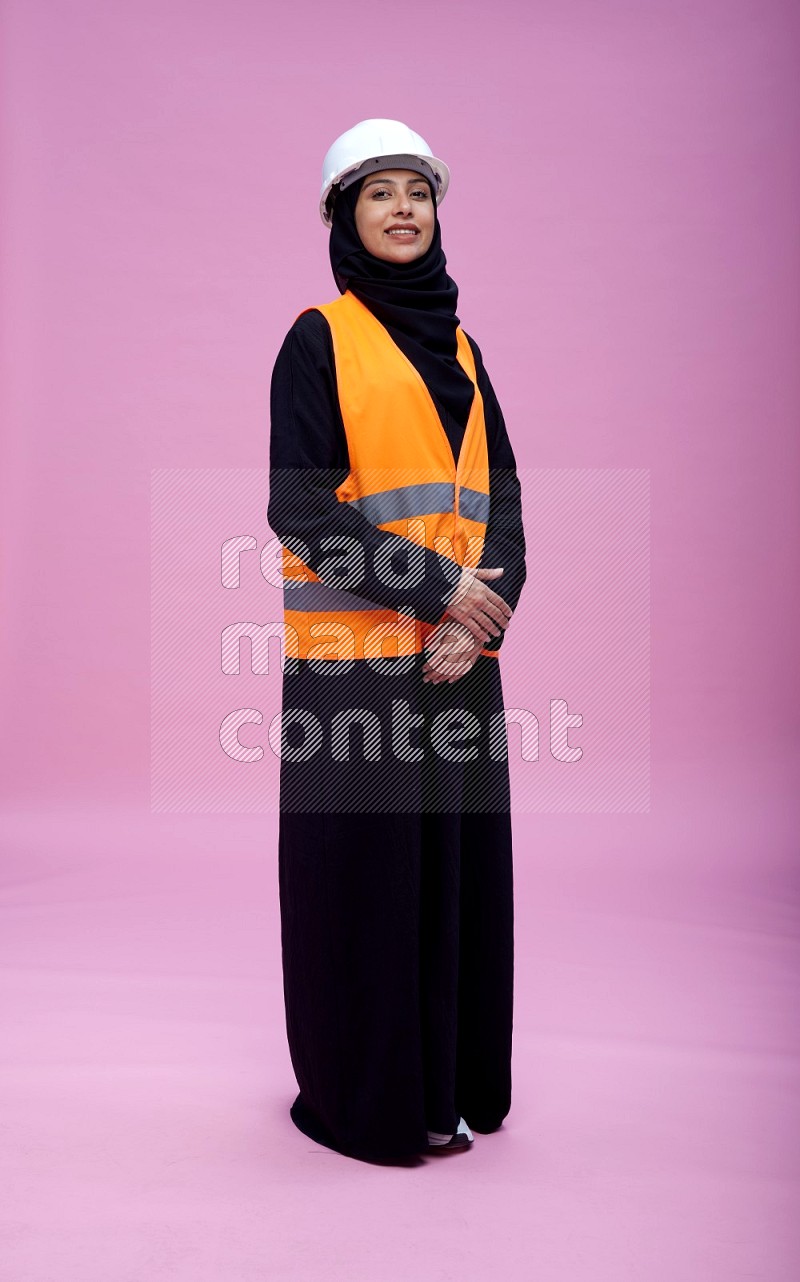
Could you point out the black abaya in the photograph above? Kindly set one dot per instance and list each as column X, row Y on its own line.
column 395, row 874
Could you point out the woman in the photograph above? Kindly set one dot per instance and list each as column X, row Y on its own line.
column 394, row 492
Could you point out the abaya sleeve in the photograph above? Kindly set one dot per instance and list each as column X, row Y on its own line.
column 309, row 459
column 505, row 537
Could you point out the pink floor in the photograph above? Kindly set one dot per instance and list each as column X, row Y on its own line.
column 654, row 1126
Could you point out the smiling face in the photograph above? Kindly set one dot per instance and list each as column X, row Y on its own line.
column 395, row 215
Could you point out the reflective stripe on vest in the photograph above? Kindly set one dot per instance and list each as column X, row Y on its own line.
column 402, row 479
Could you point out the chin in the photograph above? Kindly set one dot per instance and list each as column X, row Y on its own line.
column 402, row 254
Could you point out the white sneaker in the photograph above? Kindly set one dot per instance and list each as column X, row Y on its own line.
column 461, row 1138
column 463, row 1129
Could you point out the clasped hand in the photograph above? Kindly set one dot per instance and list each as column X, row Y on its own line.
column 453, row 647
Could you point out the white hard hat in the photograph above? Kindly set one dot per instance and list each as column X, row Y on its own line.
column 379, row 144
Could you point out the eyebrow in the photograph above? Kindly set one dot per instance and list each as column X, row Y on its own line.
column 391, row 182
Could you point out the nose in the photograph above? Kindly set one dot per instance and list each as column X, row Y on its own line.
column 402, row 203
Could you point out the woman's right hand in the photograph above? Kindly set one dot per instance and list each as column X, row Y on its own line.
column 451, row 651
column 477, row 606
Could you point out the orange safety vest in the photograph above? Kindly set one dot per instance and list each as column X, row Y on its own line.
column 402, row 478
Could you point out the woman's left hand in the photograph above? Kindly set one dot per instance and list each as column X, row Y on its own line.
column 451, row 651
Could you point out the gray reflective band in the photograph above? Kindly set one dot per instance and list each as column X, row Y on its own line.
column 318, row 596
column 376, row 164
column 407, row 501
column 473, row 505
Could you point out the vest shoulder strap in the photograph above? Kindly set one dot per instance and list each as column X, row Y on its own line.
column 347, row 303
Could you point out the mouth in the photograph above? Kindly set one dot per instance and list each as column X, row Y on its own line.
column 402, row 233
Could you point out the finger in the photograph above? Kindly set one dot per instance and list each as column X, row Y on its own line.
column 489, row 616
column 472, row 622
column 490, row 574
column 444, row 648
column 445, row 669
column 485, row 621
column 458, row 644
column 440, row 642
column 478, row 631
column 453, row 628
column 437, row 662
column 446, row 634
column 499, row 617
column 459, row 662
column 451, row 663
column 495, row 599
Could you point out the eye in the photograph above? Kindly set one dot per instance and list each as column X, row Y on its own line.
column 380, row 191
column 421, row 191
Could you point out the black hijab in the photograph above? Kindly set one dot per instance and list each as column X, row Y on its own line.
column 415, row 301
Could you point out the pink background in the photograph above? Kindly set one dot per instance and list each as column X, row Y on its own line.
column 622, row 224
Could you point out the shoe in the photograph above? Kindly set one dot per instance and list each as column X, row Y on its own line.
column 462, row 1138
